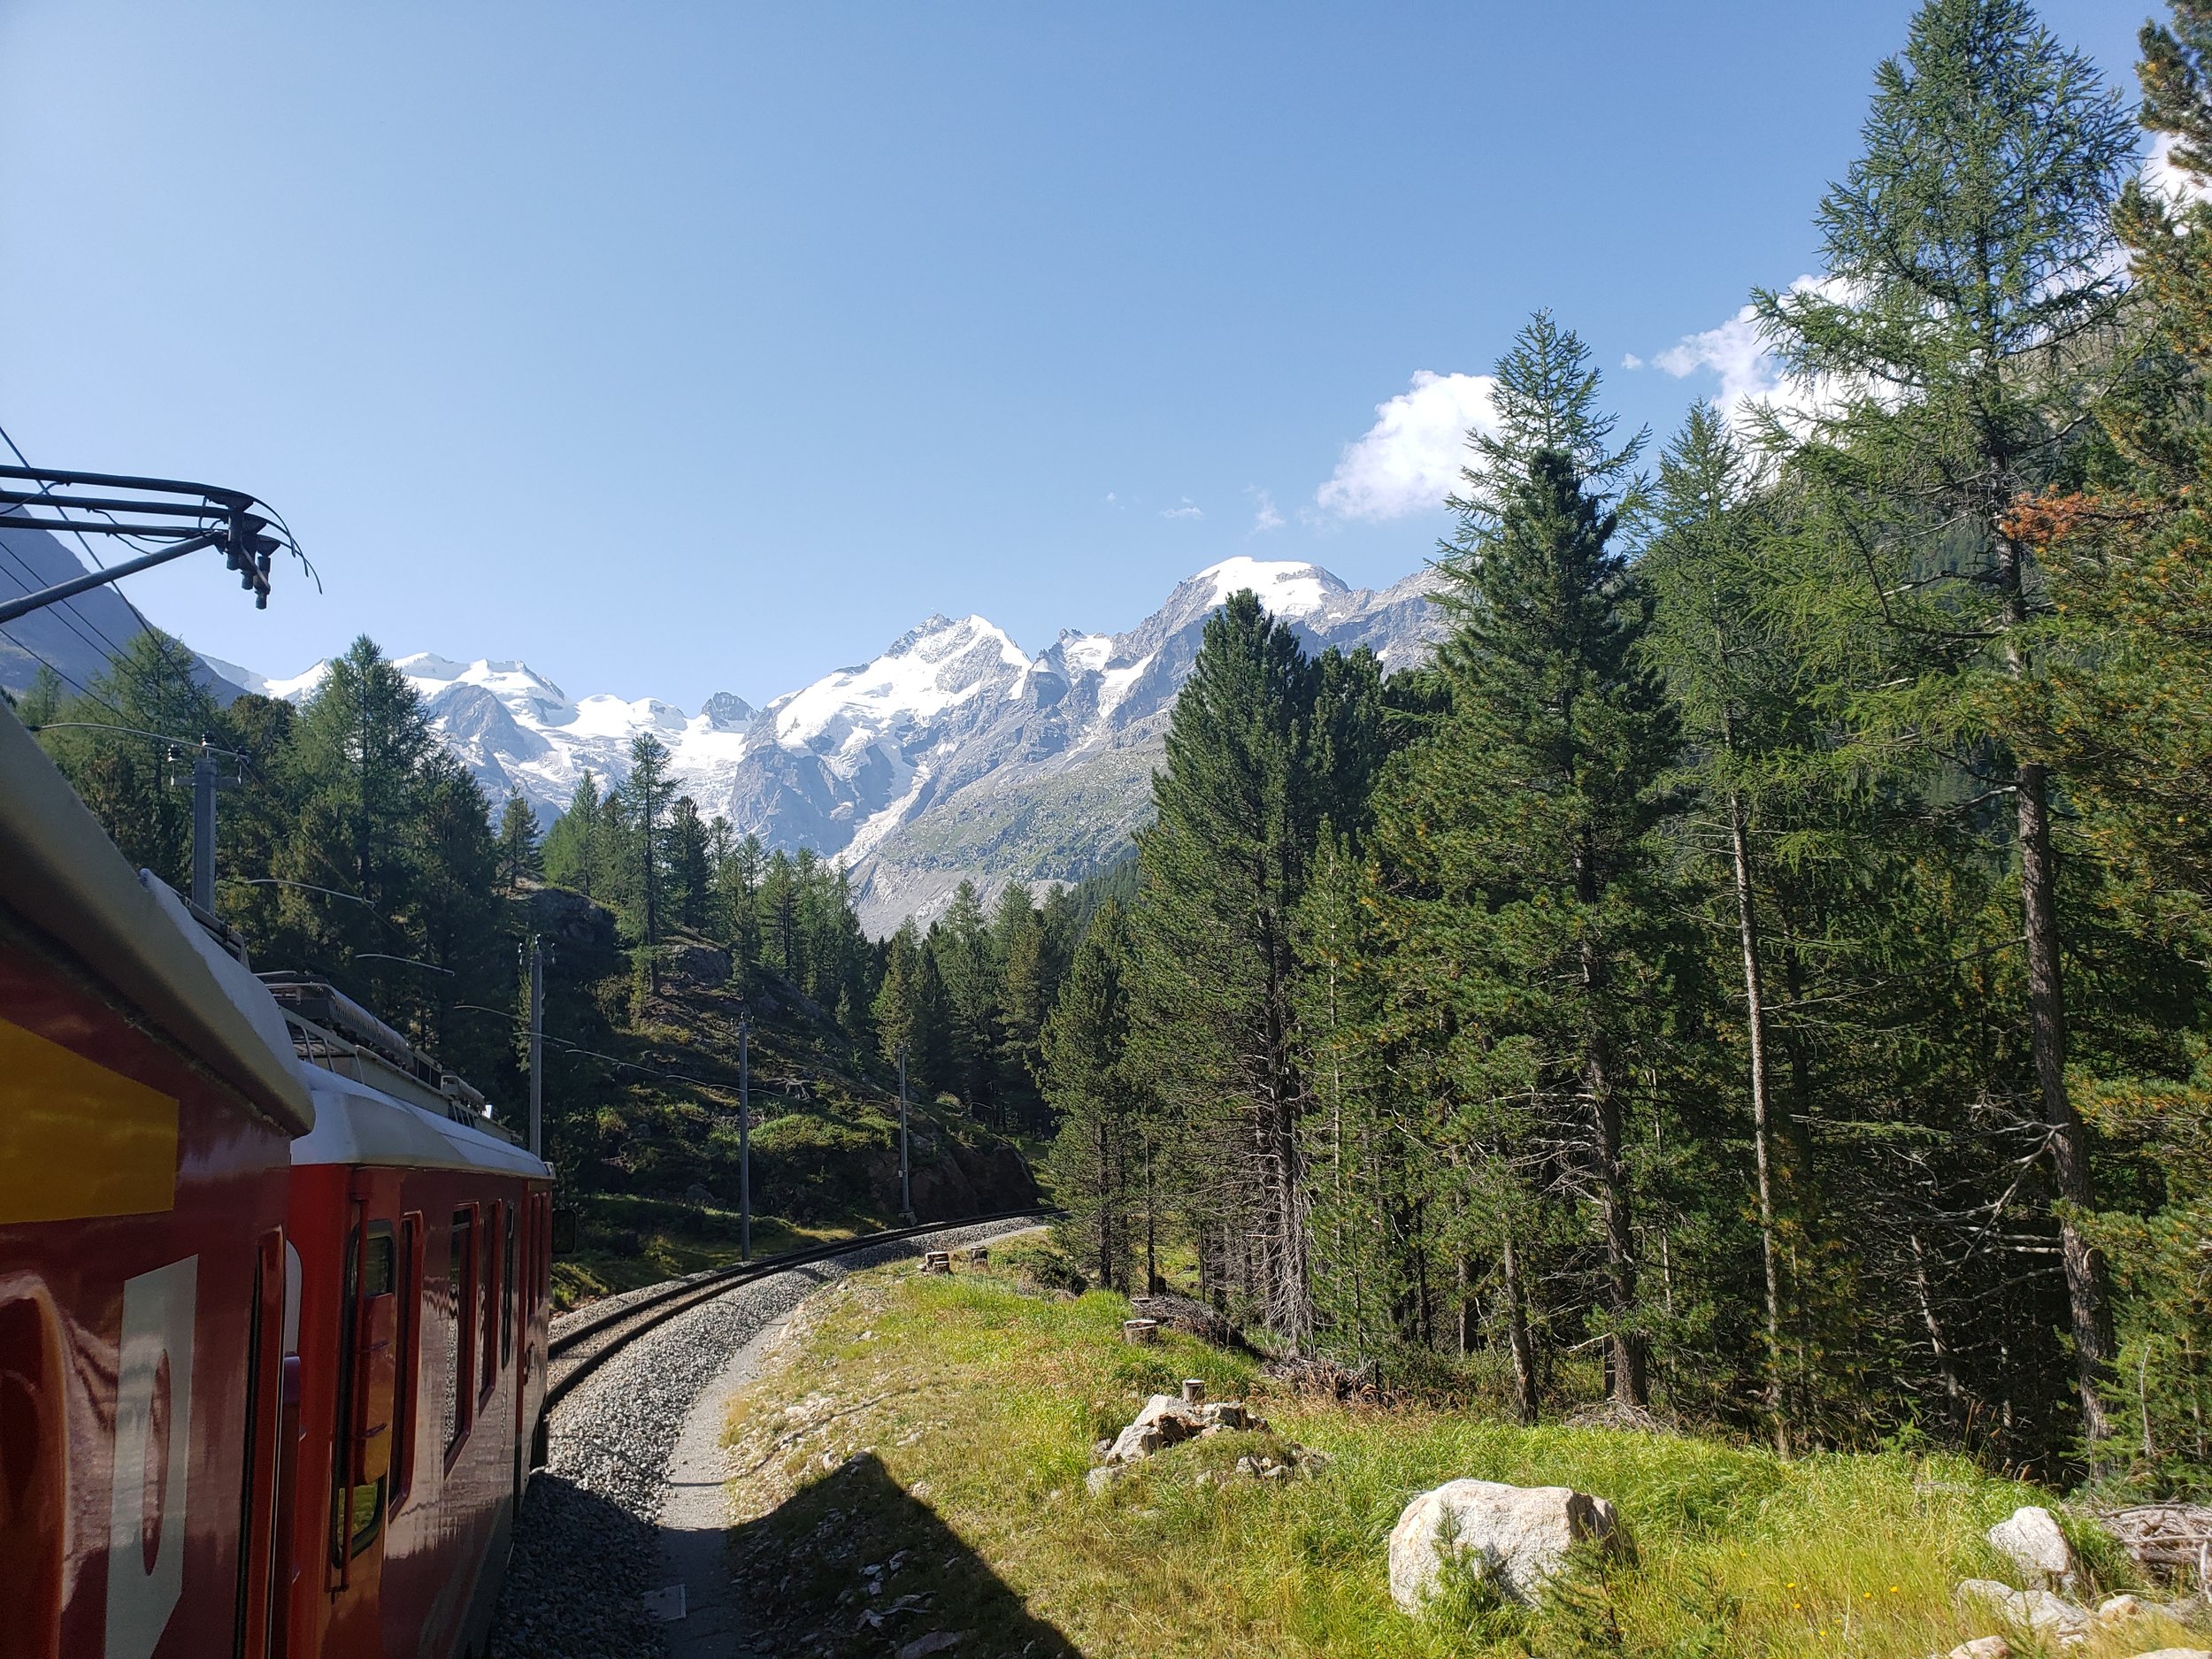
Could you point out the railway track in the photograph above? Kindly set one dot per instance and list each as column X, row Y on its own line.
column 590, row 1339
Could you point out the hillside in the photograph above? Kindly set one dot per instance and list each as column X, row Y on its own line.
column 642, row 1114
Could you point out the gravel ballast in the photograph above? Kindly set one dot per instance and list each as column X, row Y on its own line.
column 586, row 1548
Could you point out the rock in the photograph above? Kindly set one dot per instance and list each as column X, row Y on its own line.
column 1982, row 1648
column 2034, row 1543
column 691, row 964
column 2176, row 1653
column 936, row 1641
column 1230, row 1414
column 1513, row 1536
column 1100, row 1479
column 2119, row 1609
column 1165, row 1421
column 2039, row 1610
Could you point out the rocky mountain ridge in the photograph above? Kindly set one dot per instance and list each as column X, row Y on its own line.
column 954, row 755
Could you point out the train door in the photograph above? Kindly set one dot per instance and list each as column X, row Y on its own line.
column 364, row 1473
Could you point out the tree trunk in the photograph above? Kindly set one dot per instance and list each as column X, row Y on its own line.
column 2087, row 1295
column 1761, row 1112
column 1943, row 1363
column 1518, row 1338
column 1631, row 1385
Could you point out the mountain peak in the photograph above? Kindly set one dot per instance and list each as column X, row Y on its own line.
column 1288, row 587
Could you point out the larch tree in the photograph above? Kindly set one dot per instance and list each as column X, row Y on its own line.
column 1945, row 370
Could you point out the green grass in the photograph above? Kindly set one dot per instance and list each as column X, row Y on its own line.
column 625, row 1240
column 956, row 1419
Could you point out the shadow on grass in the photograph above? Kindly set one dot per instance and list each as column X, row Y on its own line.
column 804, row 1573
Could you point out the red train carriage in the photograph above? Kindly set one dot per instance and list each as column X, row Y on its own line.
column 272, row 1287
column 147, row 1100
column 422, row 1235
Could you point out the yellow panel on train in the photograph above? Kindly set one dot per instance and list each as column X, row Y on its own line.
column 77, row 1140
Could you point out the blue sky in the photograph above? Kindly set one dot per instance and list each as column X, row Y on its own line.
column 674, row 348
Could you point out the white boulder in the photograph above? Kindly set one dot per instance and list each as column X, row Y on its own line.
column 1513, row 1536
column 2039, row 1610
column 2032, row 1541
column 1982, row 1648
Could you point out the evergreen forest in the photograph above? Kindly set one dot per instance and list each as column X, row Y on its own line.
column 1755, row 975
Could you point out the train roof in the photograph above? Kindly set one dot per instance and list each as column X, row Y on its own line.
column 60, row 872
column 358, row 1123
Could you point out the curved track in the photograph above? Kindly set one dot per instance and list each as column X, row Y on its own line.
column 627, row 1373
column 592, row 1335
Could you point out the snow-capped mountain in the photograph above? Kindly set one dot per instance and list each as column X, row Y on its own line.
column 955, row 754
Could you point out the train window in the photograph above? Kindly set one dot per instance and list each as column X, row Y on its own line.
column 380, row 1277
column 460, row 1297
column 489, row 1377
column 356, row 1506
column 406, row 1340
column 507, row 1292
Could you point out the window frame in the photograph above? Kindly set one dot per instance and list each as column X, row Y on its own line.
column 461, row 1272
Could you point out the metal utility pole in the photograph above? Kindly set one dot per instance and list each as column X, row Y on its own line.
column 537, row 1047
column 205, row 780
column 906, row 1171
column 745, row 1138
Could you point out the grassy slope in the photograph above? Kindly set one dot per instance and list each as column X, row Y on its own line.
column 824, row 1163
column 954, row 1419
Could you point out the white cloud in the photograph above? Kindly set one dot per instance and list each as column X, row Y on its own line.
column 1748, row 374
column 1410, row 459
column 1265, row 516
column 1631, row 361
column 2160, row 174
column 1184, row 512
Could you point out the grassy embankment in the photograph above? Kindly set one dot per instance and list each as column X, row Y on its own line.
column 953, row 1420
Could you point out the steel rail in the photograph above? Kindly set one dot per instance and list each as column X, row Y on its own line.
column 623, row 1324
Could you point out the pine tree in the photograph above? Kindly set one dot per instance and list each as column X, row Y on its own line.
column 1084, row 1055
column 962, row 947
column 126, row 778
column 572, row 855
column 645, row 798
column 1520, row 834
column 740, row 876
column 1947, row 368
column 1225, row 865
column 360, row 746
column 690, row 866
column 519, row 856
column 898, row 993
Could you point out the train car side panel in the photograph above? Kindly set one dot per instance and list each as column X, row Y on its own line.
column 140, row 1200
